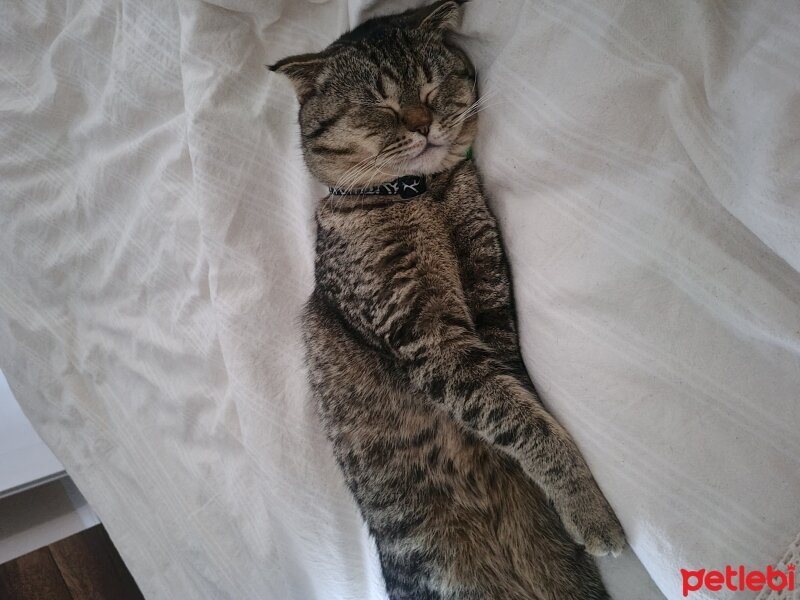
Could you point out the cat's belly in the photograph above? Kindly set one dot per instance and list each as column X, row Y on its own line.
column 420, row 470
column 440, row 502
column 410, row 466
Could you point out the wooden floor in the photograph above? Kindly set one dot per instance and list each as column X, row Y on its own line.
column 85, row 566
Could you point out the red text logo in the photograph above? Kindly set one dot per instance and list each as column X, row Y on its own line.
column 738, row 579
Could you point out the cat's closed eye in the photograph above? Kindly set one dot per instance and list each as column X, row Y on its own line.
column 428, row 93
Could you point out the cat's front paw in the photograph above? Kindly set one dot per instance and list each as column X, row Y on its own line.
column 590, row 521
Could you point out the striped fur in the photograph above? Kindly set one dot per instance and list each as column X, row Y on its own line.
column 470, row 488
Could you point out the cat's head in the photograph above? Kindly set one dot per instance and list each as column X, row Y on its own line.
column 392, row 97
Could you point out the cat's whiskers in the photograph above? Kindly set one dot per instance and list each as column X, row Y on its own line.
column 347, row 175
column 373, row 169
column 352, row 171
column 359, row 176
column 393, row 151
column 376, row 170
column 482, row 100
column 459, row 118
column 356, row 177
column 357, row 173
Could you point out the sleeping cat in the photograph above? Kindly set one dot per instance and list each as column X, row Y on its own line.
column 469, row 486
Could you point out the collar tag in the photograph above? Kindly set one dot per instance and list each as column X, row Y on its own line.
column 407, row 186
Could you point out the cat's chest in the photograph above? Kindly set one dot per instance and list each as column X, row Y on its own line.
column 421, row 224
column 429, row 224
column 383, row 243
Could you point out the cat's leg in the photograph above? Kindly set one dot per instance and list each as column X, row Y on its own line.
column 486, row 276
column 492, row 307
column 445, row 358
column 463, row 376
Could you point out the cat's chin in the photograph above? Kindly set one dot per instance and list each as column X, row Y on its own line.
column 430, row 160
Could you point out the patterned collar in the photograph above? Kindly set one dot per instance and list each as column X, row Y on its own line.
column 407, row 186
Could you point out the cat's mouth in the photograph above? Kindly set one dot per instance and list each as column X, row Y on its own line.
column 427, row 149
column 429, row 158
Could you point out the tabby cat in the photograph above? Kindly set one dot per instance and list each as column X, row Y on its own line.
column 469, row 486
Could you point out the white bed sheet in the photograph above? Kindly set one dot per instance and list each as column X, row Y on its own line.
column 157, row 239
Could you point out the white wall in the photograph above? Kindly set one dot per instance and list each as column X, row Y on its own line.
column 24, row 458
column 39, row 504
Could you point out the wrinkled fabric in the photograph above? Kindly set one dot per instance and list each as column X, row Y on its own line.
column 156, row 245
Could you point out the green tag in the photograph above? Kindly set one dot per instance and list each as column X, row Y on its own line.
column 468, row 155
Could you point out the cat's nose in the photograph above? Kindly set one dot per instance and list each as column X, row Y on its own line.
column 417, row 118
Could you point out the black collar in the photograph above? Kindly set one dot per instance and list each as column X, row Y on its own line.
column 407, row 186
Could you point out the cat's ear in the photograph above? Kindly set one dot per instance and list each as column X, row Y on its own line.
column 445, row 14
column 302, row 71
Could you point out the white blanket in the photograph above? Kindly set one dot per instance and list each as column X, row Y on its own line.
column 157, row 243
